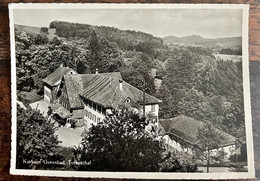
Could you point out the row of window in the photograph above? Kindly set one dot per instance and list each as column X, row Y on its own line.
column 64, row 104
column 91, row 116
column 95, row 107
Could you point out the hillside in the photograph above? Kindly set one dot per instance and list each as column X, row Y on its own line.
column 126, row 39
column 230, row 42
column 35, row 30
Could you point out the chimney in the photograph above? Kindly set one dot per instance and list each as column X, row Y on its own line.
column 96, row 72
column 120, row 84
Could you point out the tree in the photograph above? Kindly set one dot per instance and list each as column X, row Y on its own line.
column 41, row 39
column 44, row 30
column 208, row 139
column 121, row 143
column 137, row 78
column 35, row 140
column 176, row 161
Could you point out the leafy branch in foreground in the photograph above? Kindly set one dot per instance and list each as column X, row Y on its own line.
column 123, row 142
column 36, row 140
column 120, row 143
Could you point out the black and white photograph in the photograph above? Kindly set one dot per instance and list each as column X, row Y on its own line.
column 131, row 91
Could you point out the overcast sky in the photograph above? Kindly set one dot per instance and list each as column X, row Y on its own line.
column 211, row 23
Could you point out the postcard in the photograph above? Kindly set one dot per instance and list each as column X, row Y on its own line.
column 149, row 91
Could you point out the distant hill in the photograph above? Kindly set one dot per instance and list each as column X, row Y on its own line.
column 230, row 42
column 35, row 30
column 126, row 39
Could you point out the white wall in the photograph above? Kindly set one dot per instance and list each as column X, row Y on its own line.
column 175, row 145
column 88, row 121
column 230, row 150
column 148, row 109
column 47, row 95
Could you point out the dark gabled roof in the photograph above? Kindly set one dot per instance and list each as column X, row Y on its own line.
column 105, row 91
column 60, row 110
column 186, row 128
column 56, row 75
column 112, row 74
column 102, row 89
column 74, row 85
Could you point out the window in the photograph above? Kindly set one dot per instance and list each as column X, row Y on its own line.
column 94, row 106
column 94, row 118
column 90, row 115
column 99, row 108
column 153, row 108
column 98, row 120
column 128, row 100
column 86, row 113
column 103, row 110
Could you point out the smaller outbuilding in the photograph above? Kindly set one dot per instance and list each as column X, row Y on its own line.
column 52, row 82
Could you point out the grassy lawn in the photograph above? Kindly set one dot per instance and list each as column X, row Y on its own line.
column 69, row 137
column 29, row 97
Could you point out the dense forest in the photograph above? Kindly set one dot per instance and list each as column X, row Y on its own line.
column 193, row 82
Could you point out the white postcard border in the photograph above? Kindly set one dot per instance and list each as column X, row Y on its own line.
column 140, row 175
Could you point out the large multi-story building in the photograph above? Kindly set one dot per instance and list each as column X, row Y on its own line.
column 90, row 97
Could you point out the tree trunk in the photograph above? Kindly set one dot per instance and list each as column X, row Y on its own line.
column 208, row 157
